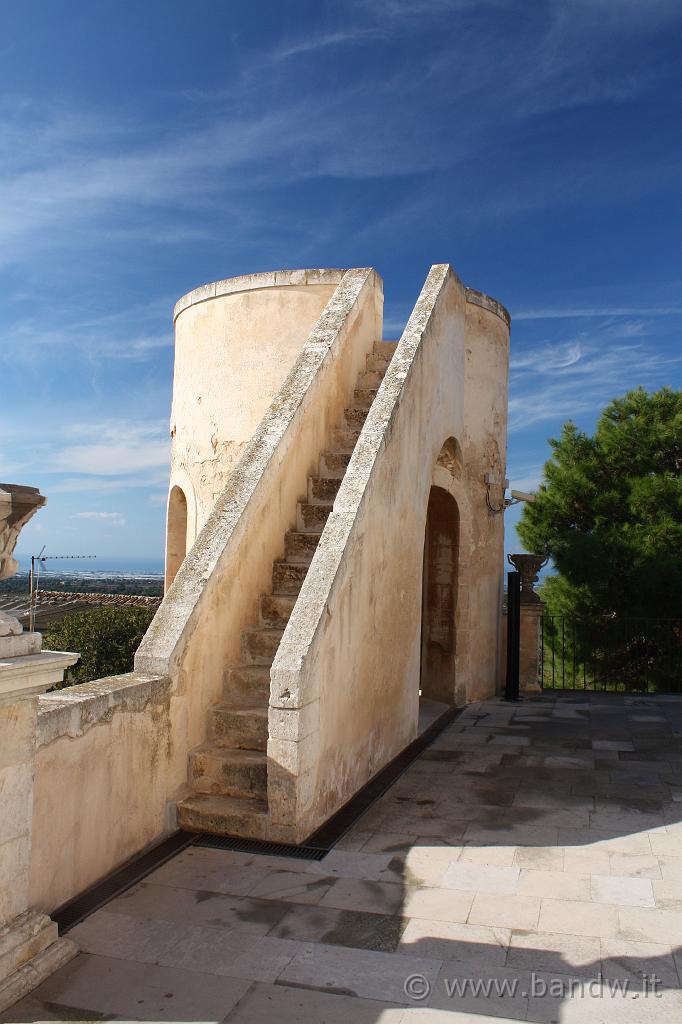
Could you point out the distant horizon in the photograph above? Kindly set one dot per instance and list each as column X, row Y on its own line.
column 116, row 564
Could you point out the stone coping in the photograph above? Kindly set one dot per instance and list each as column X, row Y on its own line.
column 477, row 298
column 75, row 709
column 227, row 522
column 251, row 282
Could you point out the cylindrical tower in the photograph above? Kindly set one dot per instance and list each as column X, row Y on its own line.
column 235, row 342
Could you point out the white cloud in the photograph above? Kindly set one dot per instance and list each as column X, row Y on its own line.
column 73, row 179
column 112, row 449
column 560, row 382
column 571, row 313
column 110, row 455
column 89, row 483
column 325, row 40
column 111, row 518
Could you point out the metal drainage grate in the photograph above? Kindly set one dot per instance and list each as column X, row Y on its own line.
column 324, row 839
column 258, row 846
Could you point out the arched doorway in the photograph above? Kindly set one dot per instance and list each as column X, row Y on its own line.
column 439, row 597
column 176, row 533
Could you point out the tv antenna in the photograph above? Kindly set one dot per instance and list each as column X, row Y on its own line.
column 37, row 564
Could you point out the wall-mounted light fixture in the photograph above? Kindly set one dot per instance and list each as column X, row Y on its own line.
column 516, row 498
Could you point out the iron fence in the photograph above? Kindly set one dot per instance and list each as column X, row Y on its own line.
column 635, row 655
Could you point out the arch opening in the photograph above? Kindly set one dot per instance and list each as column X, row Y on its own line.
column 176, row 533
column 439, row 597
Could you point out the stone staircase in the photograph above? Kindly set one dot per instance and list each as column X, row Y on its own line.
column 228, row 774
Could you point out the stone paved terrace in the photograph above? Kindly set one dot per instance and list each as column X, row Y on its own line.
column 541, row 837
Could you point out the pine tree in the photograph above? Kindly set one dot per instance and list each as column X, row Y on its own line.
column 609, row 514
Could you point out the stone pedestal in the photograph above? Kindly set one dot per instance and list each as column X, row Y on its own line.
column 30, row 948
column 529, row 653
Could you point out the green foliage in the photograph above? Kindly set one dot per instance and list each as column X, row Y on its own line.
column 106, row 638
column 609, row 514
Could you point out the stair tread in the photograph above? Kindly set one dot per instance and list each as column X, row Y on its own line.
column 235, row 755
column 245, row 707
column 337, row 453
column 270, row 630
column 208, row 803
column 258, row 671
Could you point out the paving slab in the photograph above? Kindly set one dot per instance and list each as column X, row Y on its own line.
column 540, row 841
column 124, row 989
column 307, row 1006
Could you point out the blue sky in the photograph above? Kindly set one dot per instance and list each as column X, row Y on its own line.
column 148, row 147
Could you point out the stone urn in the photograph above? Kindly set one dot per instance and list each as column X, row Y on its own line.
column 528, row 566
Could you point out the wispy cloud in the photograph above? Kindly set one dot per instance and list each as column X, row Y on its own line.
column 325, row 40
column 560, row 382
column 111, row 448
column 75, row 178
column 90, row 483
column 110, row 518
column 574, row 313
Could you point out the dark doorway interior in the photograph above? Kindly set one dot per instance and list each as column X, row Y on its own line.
column 439, row 597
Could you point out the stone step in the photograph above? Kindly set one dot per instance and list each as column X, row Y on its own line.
column 354, row 418
column 244, row 726
column 287, row 577
column 300, row 546
column 259, row 645
column 381, row 355
column 370, row 379
column 322, row 490
column 344, row 440
column 333, row 465
column 310, row 518
column 248, row 683
column 228, row 772
column 375, row 363
column 363, row 397
column 224, row 815
column 275, row 609
column 385, row 349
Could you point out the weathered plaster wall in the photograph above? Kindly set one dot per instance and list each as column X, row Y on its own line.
column 345, row 681
column 484, row 448
column 235, row 342
column 111, row 757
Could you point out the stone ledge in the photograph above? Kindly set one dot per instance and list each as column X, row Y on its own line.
column 250, row 282
column 75, row 709
column 31, row 674
column 476, row 298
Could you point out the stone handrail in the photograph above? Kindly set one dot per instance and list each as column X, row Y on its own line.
column 279, row 440
column 325, row 741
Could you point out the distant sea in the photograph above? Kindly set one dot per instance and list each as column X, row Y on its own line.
column 95, row 568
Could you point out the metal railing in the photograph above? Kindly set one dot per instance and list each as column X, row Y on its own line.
column 633, row 655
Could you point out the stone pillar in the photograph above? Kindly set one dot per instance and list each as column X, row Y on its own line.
column 531, row 621
column 30, row 948
column 529, row 660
